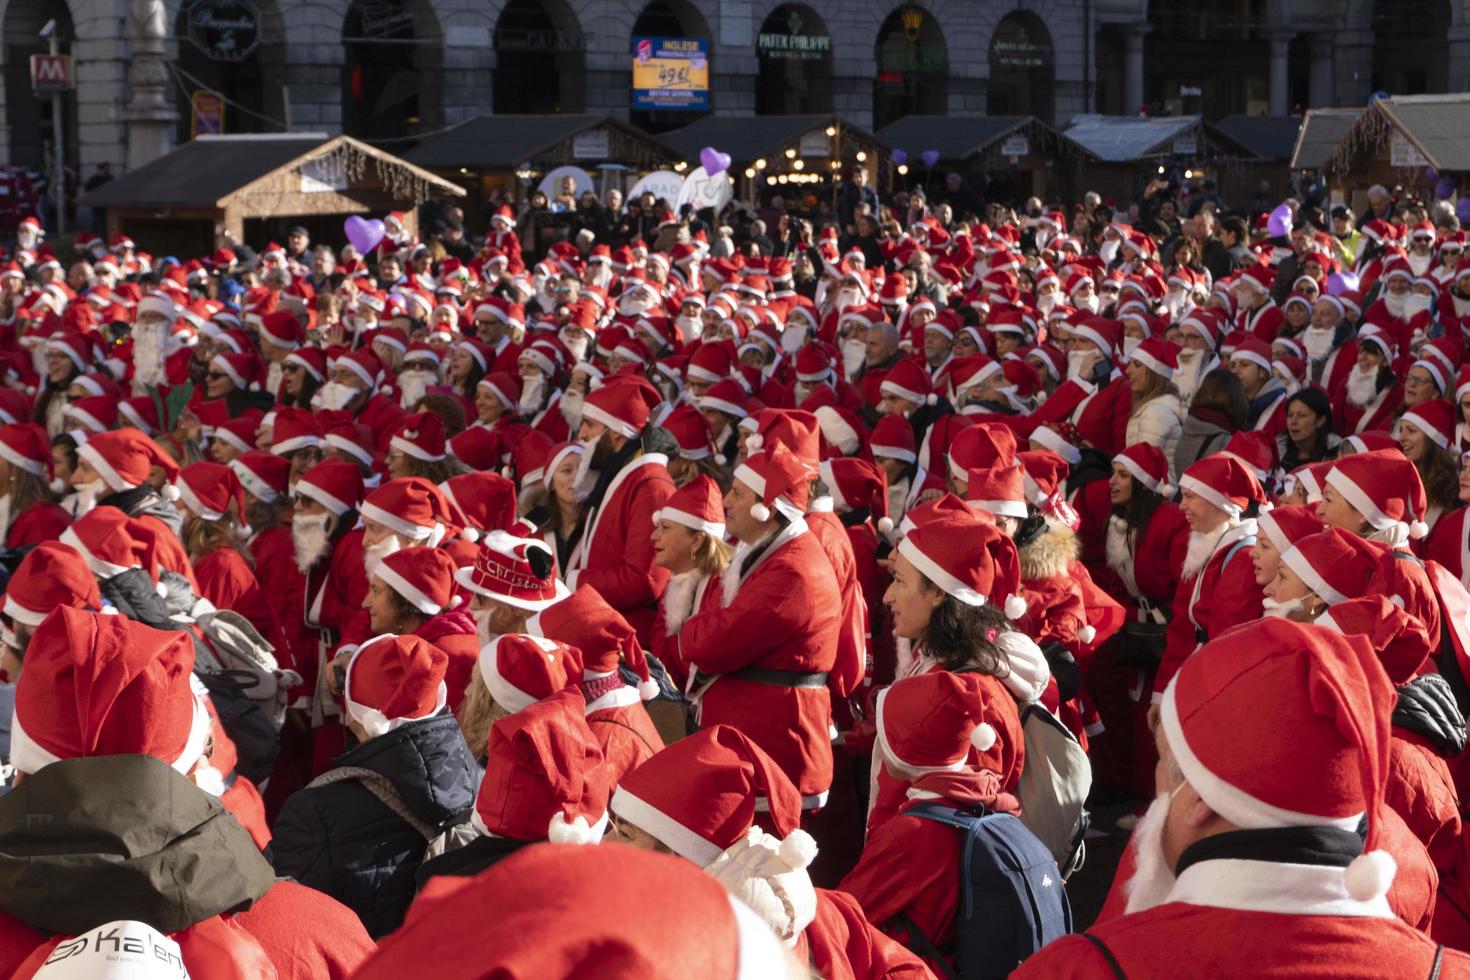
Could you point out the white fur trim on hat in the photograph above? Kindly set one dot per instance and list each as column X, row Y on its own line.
column 937, row 575
column 408, row 590
column 1210, row 494
column 665, row 829
column 398, row 525
column 690, row 521
column 614, row 423
column 372, row 720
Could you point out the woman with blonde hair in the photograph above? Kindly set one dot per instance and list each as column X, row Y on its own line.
column 688, row 540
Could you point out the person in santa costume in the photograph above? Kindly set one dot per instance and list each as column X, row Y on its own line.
column 717, row 800
column 763, row 654
column 1371, row 393
column 413, row 592
column 1255, row 835
column 118, row 773
column 544, row 781
column 689, row 541
column 614, row 553
column 359, row 831
column 354, row 388
column 930, row 729
column 1217, row 588
column 543, row 912
column 29, row 513
column 615, row 709
column 1425, row 432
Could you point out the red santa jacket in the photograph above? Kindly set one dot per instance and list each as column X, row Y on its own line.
column 616, row 715
column 852, row 638
column 1222, row 595
column 1264, row 321
column 1378, row 414
column 274, row 555
column 1102, row 417
column 873, row 581
column 453, row 631
column 1251, row 918
column 42, row 521
column 1421, row 790
column 1449, row 543
column 1153, row 568
column 615, row 553
column 841, row 944
column 227, row 581
column 782, row 616
column 686, row 594
column 382, row 416
column 1336, row 366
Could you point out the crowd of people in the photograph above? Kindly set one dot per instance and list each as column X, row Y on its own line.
column 823, row 580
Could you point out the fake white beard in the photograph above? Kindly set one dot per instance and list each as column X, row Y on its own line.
column 576, row 342
column 689, row 328
column 792, row 338
column 854, row 356
column 545, row 300
column 1109, row 250
column 820, row 296
column 273, row 377
column 898, row 494
column 1130, row 344
column 1088, row 302
column 1396, row 304
column 149, row 340
column 86, row 496
column 4, row 516
column 309, row 539
column 27, row 240
column 678, row 600
column 414, row 385
column 1201, row 547
column 1362, row 386
column 1280, row 610
column 1186, row 376
column 847, row 298
column 1420, row 263
column 570, row 405
column 1417, row 303
column 334, row 395
column 1046, row 302
column 637, row 304
column 1317, row 342
column 1116, row 545
column 532, row 389
column 586, row 477
column 1178, row 303
column 601, row 275
column 1152, row 878
column 1079, row 362
column 373, row 555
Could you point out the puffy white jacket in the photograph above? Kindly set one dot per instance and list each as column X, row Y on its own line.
column 1159, row 422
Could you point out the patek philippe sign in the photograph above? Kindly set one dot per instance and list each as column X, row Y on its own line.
column 792, row 39
column 224, row 30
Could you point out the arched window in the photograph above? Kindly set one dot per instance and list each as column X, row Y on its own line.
column 668, row 18
column 32, row 130
column 1411, row 50
column 393, row 69
column 540, row 59
column 913, row 67
column 237, row 49
column 1022, row 68
column 795, row 74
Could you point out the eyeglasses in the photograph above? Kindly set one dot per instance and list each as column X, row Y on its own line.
column 215, row 376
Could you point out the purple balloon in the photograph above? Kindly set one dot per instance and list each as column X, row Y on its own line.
column 1430, row 174
column 1445, row 189
column 1340, row 282
column 930, row 157
column 713, row 161
column 363, row 233
column 1462, row 210
column 1279, row 223
column 900, row 158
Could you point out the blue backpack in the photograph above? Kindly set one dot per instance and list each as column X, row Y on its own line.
column 1012, row 898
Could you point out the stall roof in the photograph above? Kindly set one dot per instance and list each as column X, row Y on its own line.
column 1120, row 139
column 504, row 142
column 1437, row 125
column 1322, row 130
column 1269, row 137
column 960, row 137
column 203, row 171
column 748, row 138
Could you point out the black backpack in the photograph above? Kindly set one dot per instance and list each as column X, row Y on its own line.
column 1012, row 897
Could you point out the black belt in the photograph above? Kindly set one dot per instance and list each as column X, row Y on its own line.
column 780, row 678
column 1201, row 635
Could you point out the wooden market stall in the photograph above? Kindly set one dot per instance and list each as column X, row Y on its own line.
column 1129, row 151
column 514, row 155
column 1021, row 153
column 785, row 155
column 1413, row 141
column 1273, row 140
column 257, row 186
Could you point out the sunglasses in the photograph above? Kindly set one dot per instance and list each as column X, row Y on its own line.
column 215, row 376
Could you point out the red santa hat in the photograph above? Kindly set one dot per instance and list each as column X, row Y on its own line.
column 1051, row 437
column 335, row 484
column 893, row 438
column 26, row 445
column 929, row 723
column 423, row 576
column 280, row 328
column 1204, row 323
column 413, row 507
column 711, row 362
column 106, row 685
column 1436, row 418
column 1147, row 464
column 779, row 479
column 1256, row 449
column 394, row 680
column 504, row 386
column 691, row 432
column 207, row 490
column 909, row 381
column 496, row 924
column 265, row 476
column 1286, row 524
column 487, row 500
column 981, row 446
column 584, row 620
column 479, row 448
column 1224, row 482
column 998, row 490
column 1253, row 350
column 238, row 432
column 365, row 364
column 857, row 484
column 1399, row 637
column 700, row 796
column 1385, row 488
column 420, row 435
column 623, row 404
column 124, row 459
column 1101, row 331
column 967, row 558
column 1224, row 712
column 544, row 775
column 520, row 669
column 51, row 575
column 698, row 505
column 519, row 572
column 293, row 429
column 1335, row 564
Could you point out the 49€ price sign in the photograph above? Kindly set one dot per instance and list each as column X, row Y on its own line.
column 670, row 73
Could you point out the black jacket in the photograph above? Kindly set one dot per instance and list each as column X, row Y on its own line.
column 470, row 860
column 341, row 839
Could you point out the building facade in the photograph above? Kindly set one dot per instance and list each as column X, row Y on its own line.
column 387, row 70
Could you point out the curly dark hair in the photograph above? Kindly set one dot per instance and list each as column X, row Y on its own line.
column 957, row 637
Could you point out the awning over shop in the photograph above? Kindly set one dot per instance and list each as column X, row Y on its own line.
column 540, row 143
column 1420, row 131
column 1124, row 139
column 978, row 139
